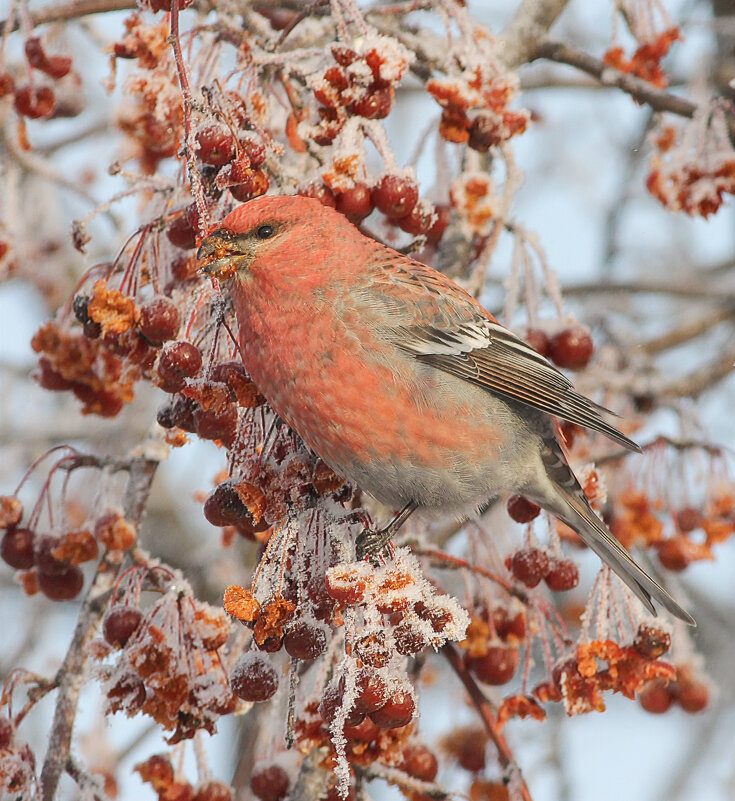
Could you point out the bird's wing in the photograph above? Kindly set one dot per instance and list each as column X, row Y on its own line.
column 434, row 320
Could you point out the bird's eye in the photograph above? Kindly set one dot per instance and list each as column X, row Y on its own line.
column 265, row 231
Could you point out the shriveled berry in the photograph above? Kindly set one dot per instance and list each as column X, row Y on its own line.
column 215, row 145
column 521, row 510
column 355, row 202
column 538, row 340
column 651, row 641
column 35, row 102
column 656, row 697
column 498, row 666
column 179, row 361
column 563, row 575
column 62, row 586
column 11, row 511
column 159, row 320
column 343, row 55
column 224, row 507
column 270, row 783
column 181, row 234
column 213, row 791
column 395, row 196
column 397, row 711
column 484, row 133
column 120, row 623
column 305, row 640
column 80, row 307
column 571, row 348
column 17, row 548
column 217, row 423
column 346, row 584
column 420, row 762
column 254, row 678
column 530, row 565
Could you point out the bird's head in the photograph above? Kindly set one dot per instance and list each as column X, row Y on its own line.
column 280, row 227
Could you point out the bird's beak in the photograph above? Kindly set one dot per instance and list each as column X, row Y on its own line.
column 222, row 254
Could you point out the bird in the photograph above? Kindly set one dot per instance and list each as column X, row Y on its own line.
column 400, row 380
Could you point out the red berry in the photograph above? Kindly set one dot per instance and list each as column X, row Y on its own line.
column 7, row 85
column 673, row 554
column 372, row 692
column 35, row 53
column 213, row 791
column 498, row 666
column 656, row 697
column 395, row 196
column 120, row 623
column 347, row 585
column 484, row 133
column 217, row 424
column 651, row 641
column 530, row 565
column 563, row 575
column 332, row 705
column 270, row 783
column 320, row 192
column 35, row 102
column 571, row 348
column 43, row 557
column 688, row 518
column 255, row 152
column 17, row 548
column 397, row 711
column 375, row 104
column 62, row 586
column 7, row 731
column 215, row 145
column 159, row 320
column 305, row 640
column 419, row 761
column 224, row 506
column 538, row 340
column 343, row 55
column 254, row 678
column 355, row 202
column 181, row 234
column 418, row 220
column 365, row 731
column 693, row 696
column 521, row 510
column 178, row 361
column 256, row 185
column 184, row 267
column 439, row 226
column 57, row 66
column 179, row 413
column 337, row 77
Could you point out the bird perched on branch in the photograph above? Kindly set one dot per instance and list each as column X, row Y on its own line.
column 400, row 380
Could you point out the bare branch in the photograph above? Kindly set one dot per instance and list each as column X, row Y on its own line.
column 528, row 28
column 71, row 10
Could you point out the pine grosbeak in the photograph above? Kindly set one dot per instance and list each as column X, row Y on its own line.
column 399, row 379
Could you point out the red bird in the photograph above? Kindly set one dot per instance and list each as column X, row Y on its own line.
column 399, row 379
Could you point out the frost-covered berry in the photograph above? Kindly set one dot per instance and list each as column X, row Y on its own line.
column 254, row 678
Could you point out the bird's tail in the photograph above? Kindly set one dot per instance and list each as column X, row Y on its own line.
column 571, row 506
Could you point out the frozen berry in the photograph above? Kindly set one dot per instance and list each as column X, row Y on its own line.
column 355, row 202
column 17, row 548
column 62, row 586
column 256, row 185
column 332, row 706
column 217, row 423
column 484, row 133
column 44, row 559
column 224, row 507
column 35, row 102
column 419, row 761
column 254, row 678
column 538, row 340
column 530, row 565
column 375, row 103
column 305, row 640
column 179, row 361
column 320, row 192
column 439, row 226
column 419, row 220
column 372, row 692
column 693, row 696
column 651, row 641
column 521, row 510
column 213, row 791
column 498, row 666
column 346, row 584
column 159, row 320
column 395, row 196
column 563, row 575
column 270, row 783
column 120, row 623
column 215, row 145
column 397, row 711
column 656, row 697
column 181, row 234
column 254, row 151
column 571, row 348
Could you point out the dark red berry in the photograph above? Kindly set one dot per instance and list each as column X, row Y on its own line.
column 484, row 133
column 213, row 791
column 396, row 712
column 355, row 202
column 521, row 510
column 418, row 221
column 254, row 151
column 563, row 575
column 159, row 320
column 17, row 548
column 419, row 761
column 178, row 361
column 651, row 641
column 305, row 640
column 270, row 783
column 498, row 666
column 343, row 55
column 372, row 692
column 43, row 557
column 182, row 413
column 35, row 102
column 215, row 145
column 57, row 66
column 254, row 678
column 181, row 234
column 530, row 565
column 538, row 340
column 217, row 424
column 80, row 307
column 571, row 348
column 332, row 705
column 656, row 697
column 673, row 554
column 62, row 586
column 256, row 185
column 693, row 696
column 395, row 196
column 7, row 732
column 120, row 623
column 49, row 379
column 439, row 226
column 688, row 518
column 375, row 104
column 224, row 506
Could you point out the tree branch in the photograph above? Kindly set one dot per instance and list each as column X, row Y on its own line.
column 527, row 29
column 640, row 90
column 70, row 10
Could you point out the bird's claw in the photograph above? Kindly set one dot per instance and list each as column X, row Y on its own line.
column 370, row 543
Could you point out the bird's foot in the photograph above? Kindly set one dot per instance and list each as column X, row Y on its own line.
column 370, row 542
